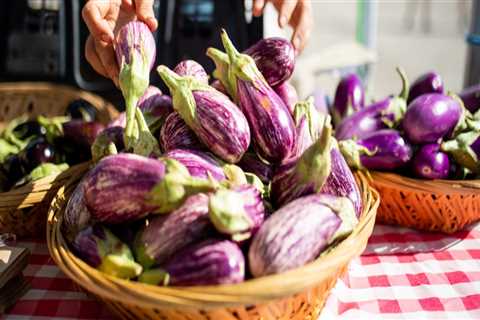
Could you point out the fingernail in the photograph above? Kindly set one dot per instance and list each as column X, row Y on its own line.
column 283, row 21
column 152, row 22
column 105, row 38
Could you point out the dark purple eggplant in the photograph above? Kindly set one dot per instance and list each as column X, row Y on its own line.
column 380, row 115
column 82, row 133
column 107, row 143
column 349, row 97
column 211, row 262
column 98, row 246
column 14, row 168
column 36, row 152
column 199, row 164
column 381, row 150
column 250, row 162
column 165, row 235
column 465, row 149
column 431, row 117
column 270, row 121
column 82, row 110
column 175, row 134
column 216, row 120
column 430, row 82
column 288, row 94
column 76, row 216
column 297, row 233
column 193, row 69
column 471, row 98
column 431, row 163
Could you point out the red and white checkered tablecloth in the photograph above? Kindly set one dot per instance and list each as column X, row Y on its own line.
column 403, row 274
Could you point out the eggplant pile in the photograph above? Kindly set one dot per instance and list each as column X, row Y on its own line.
column 423, row 132
column 248, row 181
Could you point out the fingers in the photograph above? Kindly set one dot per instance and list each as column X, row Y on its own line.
column 302, row 23
column 258, row 6
column 92, row 57
column 93, row 14
column 285, row 11
column 144, row 10
column 106, row 54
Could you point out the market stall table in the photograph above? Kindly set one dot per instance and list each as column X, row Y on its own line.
column 403, row 274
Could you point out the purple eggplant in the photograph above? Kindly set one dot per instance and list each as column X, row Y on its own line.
column 471, row 98
column 82, row 133
column 175, row 134
column 165, row 235
column 380, row 115
column 297, row 233
column 349, row 97
column 199, row 164
column 270, row 120
column 275, row 58
column 465, row 149
column 381, row 150
column 288, row 94
column 430, row 82
column 193, row 69
column 302, row 176
column 250, row 162
column 98, row 246
column 431, row 163
column 219, row 86
column 155, row 107
column 135, row 51
column 216, row 120
column 108, row 142
column 76, row 216
column 238, row 212
column 211, row 262
column 431, row 117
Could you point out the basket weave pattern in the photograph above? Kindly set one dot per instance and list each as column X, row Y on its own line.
column 297, row 294
column 441, row 205
column 23, row 210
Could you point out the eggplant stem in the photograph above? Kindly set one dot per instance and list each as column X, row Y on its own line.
column 405, row 84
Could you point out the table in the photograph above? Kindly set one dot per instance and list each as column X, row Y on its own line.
column 403, row 274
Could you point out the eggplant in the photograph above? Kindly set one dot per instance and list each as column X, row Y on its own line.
column 471, row 98
column 31, row 128
column 82, row 133
column 238, row 212
column 135, row 51
column 219, row 86
column 305, row 175
column 108, row 142
column 288, row 94
column 465, row 149
column 199, row 164
column 297, row 233
column 175, row 134
column 430, row 82
column 271, row 123
column 81, row 109
column 37, row 151
column 431, row 163
column 349, row 97
column 381, row 150
column 431, row 117
column 383, row 114
column 76, row 216
column 98, row 246
column 250, row 162
column 211, row 262
column 155, row 107
column 193, row 69
column 165, row 235
column 14, row 168
column 215, row 119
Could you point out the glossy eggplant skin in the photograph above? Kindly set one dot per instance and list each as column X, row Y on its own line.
column 275, row 58
column 431, row 163
column 250, row 162
column 199, row 164
column 135, row 40
column 471, row 98
column 116, row 189
column 82, row 133
column 193, row 69
column 349, row 97
column 288, row 94
column 175, row 134
column 430, row 82
column 76, row 216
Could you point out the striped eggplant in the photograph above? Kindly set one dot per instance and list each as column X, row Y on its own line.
column 288, row 94
column 349, row 97
column 430, row 82
column 210, row 262
column 191, row 68
column 471, row 98
column 155, row 107
column 250, row 162
column 305, row 175
column 135, row 51
column 270, row 120
column 199, row 164
column 297, row 233
column 76, row 216
column 108, row 142
column 175, row 134
column 219, row 86
column 215, row 119
column 98, row 246
column 238, row 212
column 465, row 149
column 165, row 235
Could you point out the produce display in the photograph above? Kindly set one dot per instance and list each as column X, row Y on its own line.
column 221, row 182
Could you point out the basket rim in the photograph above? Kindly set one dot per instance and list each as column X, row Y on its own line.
column 251, row 291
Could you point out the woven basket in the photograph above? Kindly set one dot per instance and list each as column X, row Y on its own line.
column 438, row 205
column 298, row 294
column 23, row 210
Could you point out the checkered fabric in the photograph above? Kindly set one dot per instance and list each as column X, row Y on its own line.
column 403, row 274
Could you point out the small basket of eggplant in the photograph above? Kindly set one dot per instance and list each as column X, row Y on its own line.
column 233, row 204
column 422, row 148
column 45, row 130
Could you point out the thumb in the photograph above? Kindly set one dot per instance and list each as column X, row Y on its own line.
column 144, row 11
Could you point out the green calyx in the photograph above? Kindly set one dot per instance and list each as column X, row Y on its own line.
column 255, row 181
column 155, row 277
column 7, row 149
column 313, row 117
column 405, row 84
column 397, row 107
column 102, row 147
column 344, row 209
column 147, row 144
column 222, row 64
column 227, row 212
column 176, row 186
column 146, row 260
column 54, row 126
column 8, row 135
column 460, row 149
column 46, row 169
column 352, row 151
column 235, row 175
column 465, row 117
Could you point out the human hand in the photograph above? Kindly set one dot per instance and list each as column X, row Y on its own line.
column 103, row 19
column 296, row 13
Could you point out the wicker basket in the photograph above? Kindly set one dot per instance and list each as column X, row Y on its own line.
column 23, row 210
column 298, row 294
column 439, row 205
